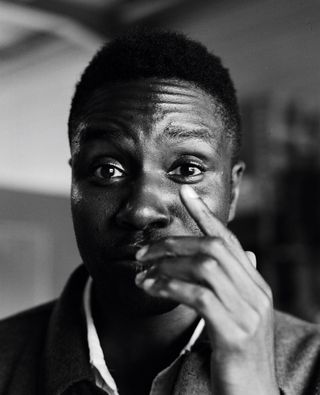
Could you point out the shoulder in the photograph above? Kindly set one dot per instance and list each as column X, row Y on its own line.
column 23, row 323
column 291, row 333
column 293, row 325
column 23, row 330
column 297, row 353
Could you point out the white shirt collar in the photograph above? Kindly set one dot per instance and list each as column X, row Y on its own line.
column 103, row 377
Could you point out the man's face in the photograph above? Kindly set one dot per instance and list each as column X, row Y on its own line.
column 136, row 143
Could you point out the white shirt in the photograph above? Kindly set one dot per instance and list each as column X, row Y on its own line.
column 103, row 377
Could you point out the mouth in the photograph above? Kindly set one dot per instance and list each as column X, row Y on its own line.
column 133, row 265
column 127, row 257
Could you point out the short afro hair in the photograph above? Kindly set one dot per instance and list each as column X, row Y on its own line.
column 160, row 54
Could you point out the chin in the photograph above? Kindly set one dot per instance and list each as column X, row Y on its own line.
column 116, row 290
column 149, row 306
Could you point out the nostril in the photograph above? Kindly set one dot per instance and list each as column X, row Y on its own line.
column 141, row 218
column 160, row 223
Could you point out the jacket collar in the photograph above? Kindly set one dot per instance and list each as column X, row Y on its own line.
column 66, row 360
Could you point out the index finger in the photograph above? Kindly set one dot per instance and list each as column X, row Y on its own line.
column 211, row 226
column 208, row 223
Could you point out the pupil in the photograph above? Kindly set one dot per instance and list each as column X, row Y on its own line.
column 107, row 171
column 187, row 170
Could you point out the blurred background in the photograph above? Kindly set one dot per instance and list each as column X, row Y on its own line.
column 272, row 50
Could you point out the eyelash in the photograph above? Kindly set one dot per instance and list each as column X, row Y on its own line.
column 109, row 165
column 190, row 164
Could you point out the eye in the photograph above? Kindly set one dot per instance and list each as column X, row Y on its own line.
column 187, row 172
column 108, row 172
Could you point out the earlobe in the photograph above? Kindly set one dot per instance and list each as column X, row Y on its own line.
column 237, row 172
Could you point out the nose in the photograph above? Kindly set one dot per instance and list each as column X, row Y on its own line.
column 146, row 206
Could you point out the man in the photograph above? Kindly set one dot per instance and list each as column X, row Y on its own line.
column 167, row 301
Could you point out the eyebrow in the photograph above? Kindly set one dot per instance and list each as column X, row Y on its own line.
column 90, row 133
column 183, row 133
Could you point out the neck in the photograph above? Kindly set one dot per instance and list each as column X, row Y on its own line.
column 142, row 335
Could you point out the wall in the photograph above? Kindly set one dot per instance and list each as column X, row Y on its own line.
column 268, row 45
column 37, row 248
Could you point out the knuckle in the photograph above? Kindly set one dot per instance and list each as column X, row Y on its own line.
column 216, row 242
column 232, row 237
column 207, row 266
column 265, row 304
column 255, row 322
column 169, row 243
column 232, row 240
column 156, row 270
column 201, row 299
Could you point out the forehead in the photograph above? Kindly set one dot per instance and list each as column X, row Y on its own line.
column 149, row 106
column 149, row 95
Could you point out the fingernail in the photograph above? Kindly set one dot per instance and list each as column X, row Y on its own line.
column 189, row 192
column 140, row 277
column 148, row 283
column 252, row 258
column 142, row 252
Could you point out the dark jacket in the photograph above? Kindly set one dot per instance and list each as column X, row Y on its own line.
column 44, row 351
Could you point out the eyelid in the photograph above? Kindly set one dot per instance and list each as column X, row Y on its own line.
column 100, row 161
column 187, row 161
column 101, row 180
column 119, row 168
column 193, row 175
column 201, row 168
column 191, row 162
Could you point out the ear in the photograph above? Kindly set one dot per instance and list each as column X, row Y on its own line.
column 236, row 177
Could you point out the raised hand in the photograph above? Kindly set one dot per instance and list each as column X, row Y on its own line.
column 216, row 277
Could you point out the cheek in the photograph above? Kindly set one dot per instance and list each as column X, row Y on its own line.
column 76, row 195
column 90, row 210
column 92, row 220
column 216, row 195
